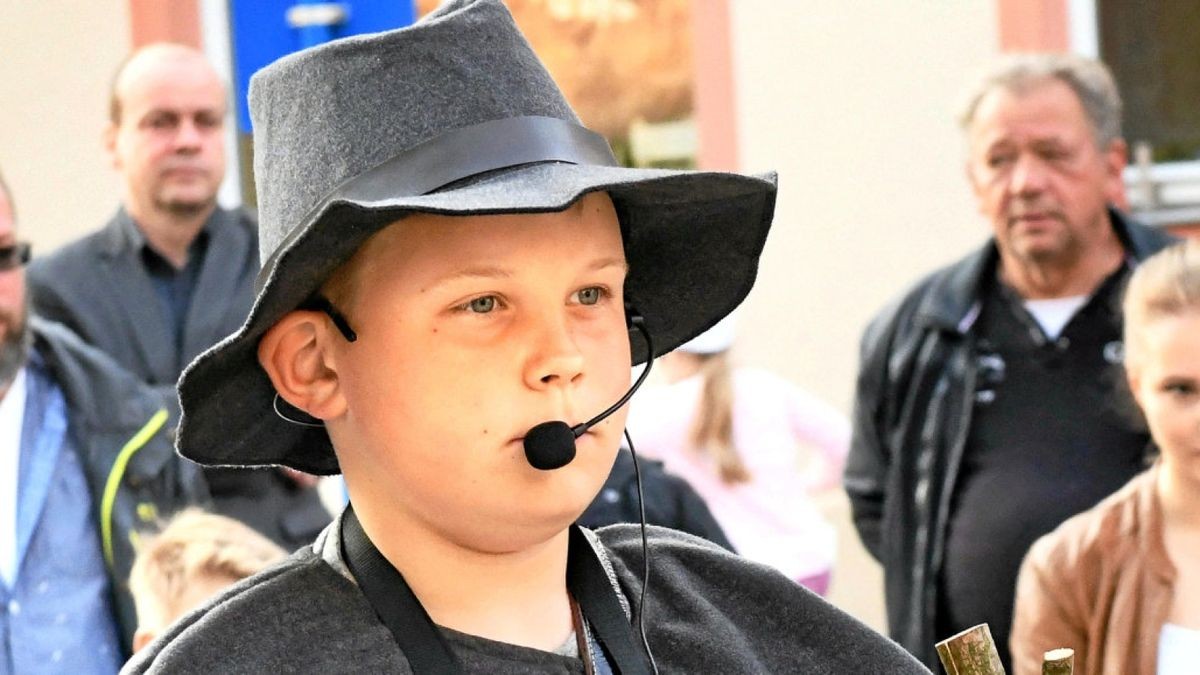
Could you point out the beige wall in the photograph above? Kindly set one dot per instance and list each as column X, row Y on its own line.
column 56, row 58
column 852, row 102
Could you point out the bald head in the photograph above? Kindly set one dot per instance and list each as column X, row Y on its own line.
column 166, row 138
column 136, row 65
column 6, row 205
column 14, row 333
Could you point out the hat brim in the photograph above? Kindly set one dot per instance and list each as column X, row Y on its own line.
column 692, row 241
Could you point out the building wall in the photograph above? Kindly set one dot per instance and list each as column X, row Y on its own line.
column 58, row 57
column 853, row 104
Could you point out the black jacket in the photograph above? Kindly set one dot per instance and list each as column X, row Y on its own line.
column 912, row 411
column 670, row 501
column 118, row 425
column 98, row 287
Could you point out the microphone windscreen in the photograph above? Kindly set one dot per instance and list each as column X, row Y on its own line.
column 550, row 445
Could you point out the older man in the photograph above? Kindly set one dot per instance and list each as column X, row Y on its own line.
column 85, row 463
column 171, row 273
column 991, row 402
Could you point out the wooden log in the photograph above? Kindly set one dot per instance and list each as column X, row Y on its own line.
column 1058, row 662
column 971, row 652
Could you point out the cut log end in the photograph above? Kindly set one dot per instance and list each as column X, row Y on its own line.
column 971, row 652
column 1058, row 662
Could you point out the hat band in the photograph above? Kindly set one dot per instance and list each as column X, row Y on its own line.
column 458, row 154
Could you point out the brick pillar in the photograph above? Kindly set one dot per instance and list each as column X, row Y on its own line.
column 1033, row 25
column 715, row 95
column 165, row 21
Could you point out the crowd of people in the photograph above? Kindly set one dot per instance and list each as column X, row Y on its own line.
column 445, row 283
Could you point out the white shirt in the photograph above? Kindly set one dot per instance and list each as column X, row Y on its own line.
column 12, row 417
column 1055, row 313
column 1178, row 650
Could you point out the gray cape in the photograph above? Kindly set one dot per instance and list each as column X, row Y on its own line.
column 709, row 611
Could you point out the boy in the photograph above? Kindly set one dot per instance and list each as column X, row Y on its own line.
column 196, row 556
column 448, row 259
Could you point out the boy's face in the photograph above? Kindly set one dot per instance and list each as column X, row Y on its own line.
column 471, row 330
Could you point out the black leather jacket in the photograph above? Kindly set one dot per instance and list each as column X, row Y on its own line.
column 911, row 415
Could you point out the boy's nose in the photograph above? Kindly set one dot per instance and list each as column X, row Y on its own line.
column 556, row 359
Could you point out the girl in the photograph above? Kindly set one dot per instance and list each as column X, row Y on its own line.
column 1120, row 584
column 738, row 435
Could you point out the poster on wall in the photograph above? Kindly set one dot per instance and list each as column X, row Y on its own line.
column 624, row 65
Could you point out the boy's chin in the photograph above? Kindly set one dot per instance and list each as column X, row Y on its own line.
column 519, row 537
column 534, row 522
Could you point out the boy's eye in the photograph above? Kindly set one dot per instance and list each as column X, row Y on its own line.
column 590, row 295
column 482, row 305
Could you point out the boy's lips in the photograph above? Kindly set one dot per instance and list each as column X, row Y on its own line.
column 520, row 438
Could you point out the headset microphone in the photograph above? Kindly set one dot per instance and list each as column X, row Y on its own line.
column 551, row 445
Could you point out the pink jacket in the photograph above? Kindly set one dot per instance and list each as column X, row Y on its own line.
column 1102, row 584
column 772, row 518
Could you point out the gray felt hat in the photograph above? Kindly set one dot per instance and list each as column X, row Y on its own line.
column 452, row 115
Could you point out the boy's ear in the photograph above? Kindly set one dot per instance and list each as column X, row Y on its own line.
column 294, row 353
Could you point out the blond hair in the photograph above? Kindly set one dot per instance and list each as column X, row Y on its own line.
column 194, row 545
column 712, row 430
column 1166, row 284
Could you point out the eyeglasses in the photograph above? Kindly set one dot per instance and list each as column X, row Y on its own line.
column 12, row 257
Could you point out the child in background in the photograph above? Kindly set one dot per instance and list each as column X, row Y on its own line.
column 196, row 556
column 740, row 437
column 1120, row 583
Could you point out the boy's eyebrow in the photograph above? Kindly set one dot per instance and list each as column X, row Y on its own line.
column 614, row 261
column 494, row 272
column 475, row 271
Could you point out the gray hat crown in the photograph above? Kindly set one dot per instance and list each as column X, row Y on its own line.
column 454, row 115
column 467, row 61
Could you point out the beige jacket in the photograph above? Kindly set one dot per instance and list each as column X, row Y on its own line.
column 1101, row 584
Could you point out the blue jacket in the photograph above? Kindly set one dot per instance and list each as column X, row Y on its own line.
column 119, row 427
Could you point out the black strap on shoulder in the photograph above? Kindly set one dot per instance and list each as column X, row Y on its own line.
column 395, row 604
column 424, row 645
column 590, row 585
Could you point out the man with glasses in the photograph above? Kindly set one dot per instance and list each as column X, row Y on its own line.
column 85, row 464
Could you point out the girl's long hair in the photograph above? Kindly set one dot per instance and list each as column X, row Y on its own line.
column 712, row 430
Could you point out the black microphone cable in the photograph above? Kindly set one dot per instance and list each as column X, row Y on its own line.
column 637, row 476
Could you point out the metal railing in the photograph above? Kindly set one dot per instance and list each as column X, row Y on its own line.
column 1163, row 194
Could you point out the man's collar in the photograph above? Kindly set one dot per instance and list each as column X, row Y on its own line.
column 952, row 301
column 127, row 235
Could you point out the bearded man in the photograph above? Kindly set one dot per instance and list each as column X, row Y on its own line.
column 86, row 463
